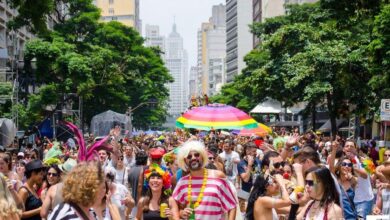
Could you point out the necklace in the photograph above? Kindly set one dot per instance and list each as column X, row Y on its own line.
column 200, row 197
column 314, row 211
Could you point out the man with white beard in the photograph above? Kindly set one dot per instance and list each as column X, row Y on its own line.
column 203, row 194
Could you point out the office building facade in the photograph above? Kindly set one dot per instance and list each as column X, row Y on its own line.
column 212, row 52
column 239, row 40
column 123, row 11
column 154, row 39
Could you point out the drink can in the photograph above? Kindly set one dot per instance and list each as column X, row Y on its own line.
column 163, row 206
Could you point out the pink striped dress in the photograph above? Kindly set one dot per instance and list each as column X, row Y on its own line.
column 218, row 197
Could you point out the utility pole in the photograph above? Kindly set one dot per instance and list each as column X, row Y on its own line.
column 130, row 114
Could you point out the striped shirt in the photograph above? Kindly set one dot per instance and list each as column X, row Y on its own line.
column 64, row 211
column 218, row 197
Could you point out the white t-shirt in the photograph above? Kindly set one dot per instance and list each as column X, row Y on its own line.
column 363, row 190
column 230, row 167
column 129, row 162
column 120, row 193
column 121, row 176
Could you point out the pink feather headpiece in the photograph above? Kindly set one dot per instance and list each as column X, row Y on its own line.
column 85, row 154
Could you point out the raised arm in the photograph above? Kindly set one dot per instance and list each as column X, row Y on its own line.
column 335, row 146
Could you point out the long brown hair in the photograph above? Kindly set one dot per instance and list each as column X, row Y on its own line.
column 163, row 199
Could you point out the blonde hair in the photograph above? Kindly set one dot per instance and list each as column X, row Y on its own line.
column 186, row 148
column 8, row 206
column 82, row 184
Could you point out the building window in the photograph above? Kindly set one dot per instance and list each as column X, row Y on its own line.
column 111, row 2
column 111, row 11
column 115, row 18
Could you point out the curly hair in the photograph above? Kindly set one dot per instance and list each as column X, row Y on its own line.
column 82, row 184
column 187, row 148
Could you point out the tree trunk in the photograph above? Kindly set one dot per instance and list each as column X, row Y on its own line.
column 313, row 116
column 332, row 115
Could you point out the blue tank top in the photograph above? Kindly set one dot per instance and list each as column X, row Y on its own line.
column 348, row 205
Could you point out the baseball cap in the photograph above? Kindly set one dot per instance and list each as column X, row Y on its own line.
column 21, row 154
column 156, row 153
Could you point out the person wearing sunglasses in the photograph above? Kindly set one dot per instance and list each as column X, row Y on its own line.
column 272, row 163
column 201, row 187
column 28, row 194
column 121, row 171
column 53, row 196
column 382, row 205
column 53, row 176
column 344, row 170
column 386, row 156
column 230, row 159
column 262, row 204
column 364, row 195
column 248, row 170
column 324, row 200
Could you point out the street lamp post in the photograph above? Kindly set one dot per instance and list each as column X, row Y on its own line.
column 129, row 112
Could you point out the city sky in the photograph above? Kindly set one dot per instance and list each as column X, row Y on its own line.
column 188, row 14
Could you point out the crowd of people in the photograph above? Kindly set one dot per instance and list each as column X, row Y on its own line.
column 193, row 175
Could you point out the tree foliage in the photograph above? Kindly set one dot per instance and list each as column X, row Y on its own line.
column 321, row 53
column 105, row 64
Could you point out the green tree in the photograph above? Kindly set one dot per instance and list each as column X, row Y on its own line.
column 105, row 64
column 319, row 53
column 380, row 54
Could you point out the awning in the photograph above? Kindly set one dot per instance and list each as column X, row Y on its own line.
column 327, row 126
column 284, row 124
column 270, row 106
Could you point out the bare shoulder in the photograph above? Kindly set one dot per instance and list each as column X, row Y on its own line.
column 52, row 190
column 23, row 190
column 335, row 212
column 217, row 174
column 141, row 202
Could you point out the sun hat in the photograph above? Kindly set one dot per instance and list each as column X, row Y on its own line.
column 68, row 165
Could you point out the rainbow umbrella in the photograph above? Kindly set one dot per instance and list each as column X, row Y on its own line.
column 265, row 127
column 216, row 116
column 261, row 130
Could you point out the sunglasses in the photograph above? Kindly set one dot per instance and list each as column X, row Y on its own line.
column 386, row 155
column 52, row 174
column 344, row 164
column 278, row 164
column 269, row 180
column 211, row 158
column 309, row 182
column 196, row 155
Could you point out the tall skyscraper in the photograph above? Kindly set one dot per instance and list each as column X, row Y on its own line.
column 124, row 11
column 153, row 37
column 212, row 52
column 176, row 60
column 256, row 18
column 239, row 40
column 192, row 82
